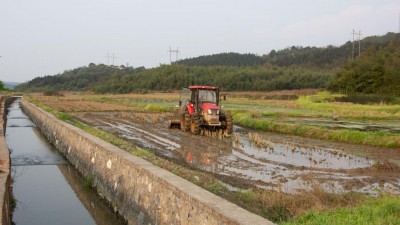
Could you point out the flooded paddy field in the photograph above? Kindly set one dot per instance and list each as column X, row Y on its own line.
column 269, row 161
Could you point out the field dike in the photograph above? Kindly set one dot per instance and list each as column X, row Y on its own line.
column 5, row 172
column 133, row 186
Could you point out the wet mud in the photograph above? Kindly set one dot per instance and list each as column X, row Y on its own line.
column 270, row 161
column 48, row 190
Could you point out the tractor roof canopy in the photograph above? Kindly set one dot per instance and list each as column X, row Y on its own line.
column 203, row 87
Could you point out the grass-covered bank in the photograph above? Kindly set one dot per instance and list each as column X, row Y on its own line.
column 380, row 211
column 374, row 138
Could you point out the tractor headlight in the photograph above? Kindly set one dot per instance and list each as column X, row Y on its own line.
column 209, row 111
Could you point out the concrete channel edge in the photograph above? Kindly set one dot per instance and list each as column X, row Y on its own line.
column 133, row 186
column 5, row 166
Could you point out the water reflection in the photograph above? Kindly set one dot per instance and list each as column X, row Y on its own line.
column 47, row 189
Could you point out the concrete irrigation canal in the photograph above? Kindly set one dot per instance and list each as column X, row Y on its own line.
column 54, row 165
column 46, row 188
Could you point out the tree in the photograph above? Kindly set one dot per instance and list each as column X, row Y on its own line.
column 1, row 85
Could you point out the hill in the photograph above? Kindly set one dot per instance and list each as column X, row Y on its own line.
column 377, row 71
column 327, row 57
column 10, row 85
column 316, row 57
column 290, row 68
column 78, row 79
column 223, row 59
column 259, row 78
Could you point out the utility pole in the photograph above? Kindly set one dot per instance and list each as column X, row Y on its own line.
column 113, row 58
column 108, row 58
column 173, row 51
column 177, row 53
column 170, row 55
column 359, row 42
column 352, row 52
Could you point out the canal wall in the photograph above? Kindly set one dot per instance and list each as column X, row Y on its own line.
column 134, row 187
column 5, row 176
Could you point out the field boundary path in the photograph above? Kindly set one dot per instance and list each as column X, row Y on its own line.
column 132, row 184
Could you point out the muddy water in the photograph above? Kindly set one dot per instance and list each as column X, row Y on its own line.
column 47, row 189
column 283, row 164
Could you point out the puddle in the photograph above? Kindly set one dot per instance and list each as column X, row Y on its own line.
column 302, row 156
column 144, row 138
column 47, row 189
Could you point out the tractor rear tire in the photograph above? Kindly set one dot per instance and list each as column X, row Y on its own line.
column 185, row 122
column 195, row 126
column 229, row 123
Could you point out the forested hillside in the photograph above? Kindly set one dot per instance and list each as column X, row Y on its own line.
column 174, row 77
column 314, row 57
column 328, row 57
column 223, row 59
column 76, row 79
column 377, row 71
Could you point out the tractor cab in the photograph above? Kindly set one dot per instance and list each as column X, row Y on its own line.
column 204, row 99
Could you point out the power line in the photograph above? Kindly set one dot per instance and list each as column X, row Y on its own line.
column 354, row 33
column 173, row 51
column 352, row 52
column 359, row 42
column 110, row 56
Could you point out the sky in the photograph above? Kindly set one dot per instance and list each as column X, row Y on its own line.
column 47, row 37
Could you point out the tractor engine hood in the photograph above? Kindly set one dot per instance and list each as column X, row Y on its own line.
column 208, row 105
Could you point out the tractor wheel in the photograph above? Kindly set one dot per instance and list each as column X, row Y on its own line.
column 229, row 123
column 185, row 122
column 195, row 126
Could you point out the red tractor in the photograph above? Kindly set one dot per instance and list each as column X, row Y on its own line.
column 199, row 108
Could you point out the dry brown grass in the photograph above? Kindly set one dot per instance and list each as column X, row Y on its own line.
column 259, row 141
column 297, row 204
column 78, row 103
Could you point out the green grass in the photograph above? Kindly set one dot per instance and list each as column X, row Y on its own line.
column 373, row 138
column 247, row 196
column 216, row 187
column 88, row 182
column 64, row 117
column 323, row 104
column 381, row 211
column 108, row 137
column 14, row 203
